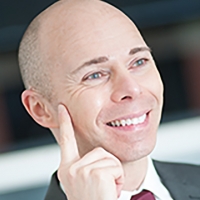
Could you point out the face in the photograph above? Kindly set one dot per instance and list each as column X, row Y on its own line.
column 107, row 79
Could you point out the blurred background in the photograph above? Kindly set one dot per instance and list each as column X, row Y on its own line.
column 28, row 152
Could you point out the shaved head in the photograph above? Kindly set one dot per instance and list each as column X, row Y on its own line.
column 42, row 44
column 33, row 66
column 90, row 57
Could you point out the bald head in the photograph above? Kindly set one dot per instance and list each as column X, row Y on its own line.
column 89, row 57
column 47, row 39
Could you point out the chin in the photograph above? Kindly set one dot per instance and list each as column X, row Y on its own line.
column 135, row 153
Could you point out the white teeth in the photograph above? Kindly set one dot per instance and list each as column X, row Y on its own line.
column 123, row 122
column 135, row 121
column 117, row 123
column 128, row 122
column 142, row 118
column 113, row 123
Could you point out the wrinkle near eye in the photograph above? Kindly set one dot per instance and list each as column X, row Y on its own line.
column 74, row 86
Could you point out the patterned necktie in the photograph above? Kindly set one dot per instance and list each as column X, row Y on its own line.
column 144, row 195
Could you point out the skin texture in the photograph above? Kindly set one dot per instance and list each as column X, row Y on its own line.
column 103, row 71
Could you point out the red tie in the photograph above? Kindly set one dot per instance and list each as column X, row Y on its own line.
column 144, row 195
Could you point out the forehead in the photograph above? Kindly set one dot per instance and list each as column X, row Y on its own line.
column 91, row 34
column 106, row 42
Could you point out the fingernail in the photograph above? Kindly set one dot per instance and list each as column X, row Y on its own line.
column 60, row 108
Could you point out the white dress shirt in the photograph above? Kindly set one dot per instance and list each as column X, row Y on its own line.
column 152, row 183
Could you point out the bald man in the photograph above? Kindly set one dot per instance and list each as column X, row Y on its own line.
column 91, row 79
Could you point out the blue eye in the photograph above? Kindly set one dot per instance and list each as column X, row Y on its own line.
column 94, row 76
column 140, row 62
column 97, row 76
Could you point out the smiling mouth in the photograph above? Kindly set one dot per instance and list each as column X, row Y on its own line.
column 128, row 122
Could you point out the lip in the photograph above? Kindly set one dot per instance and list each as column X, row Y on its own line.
column 131, row 127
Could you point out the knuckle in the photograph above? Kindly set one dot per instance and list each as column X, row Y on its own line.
column 71, row 172
column 84, row 173
column 94, row 173
column 99, row 150
column 66, row 173
column 97, row 173
column 113, row 162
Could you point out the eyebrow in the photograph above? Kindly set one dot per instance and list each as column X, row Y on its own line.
column 104, row 59
column 138, row 49
column 98, row 60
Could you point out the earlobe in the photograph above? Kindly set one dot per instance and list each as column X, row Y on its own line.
column 39, row 109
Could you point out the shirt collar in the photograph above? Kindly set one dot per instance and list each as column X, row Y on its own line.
column 151, row 182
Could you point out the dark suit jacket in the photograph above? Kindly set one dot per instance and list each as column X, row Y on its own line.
column 181, row 180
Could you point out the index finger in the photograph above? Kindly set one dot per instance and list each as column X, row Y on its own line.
column 67, row 141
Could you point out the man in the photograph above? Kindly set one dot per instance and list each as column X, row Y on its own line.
column 91, row 79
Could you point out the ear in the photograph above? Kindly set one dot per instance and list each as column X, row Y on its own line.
column 39, row 109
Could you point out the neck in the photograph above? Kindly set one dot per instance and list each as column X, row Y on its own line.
column 135, row 173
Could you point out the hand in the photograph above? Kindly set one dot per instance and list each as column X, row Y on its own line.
column 96, row 176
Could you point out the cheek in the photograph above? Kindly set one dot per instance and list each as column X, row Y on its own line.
column 84, row 108
column 154, row 85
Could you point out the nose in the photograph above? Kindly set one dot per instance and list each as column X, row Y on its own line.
column 126, row 87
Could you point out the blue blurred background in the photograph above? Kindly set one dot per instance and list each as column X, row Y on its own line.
column 28, row 153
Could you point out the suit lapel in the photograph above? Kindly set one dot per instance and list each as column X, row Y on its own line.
column 177, row 181
column 54, row 191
